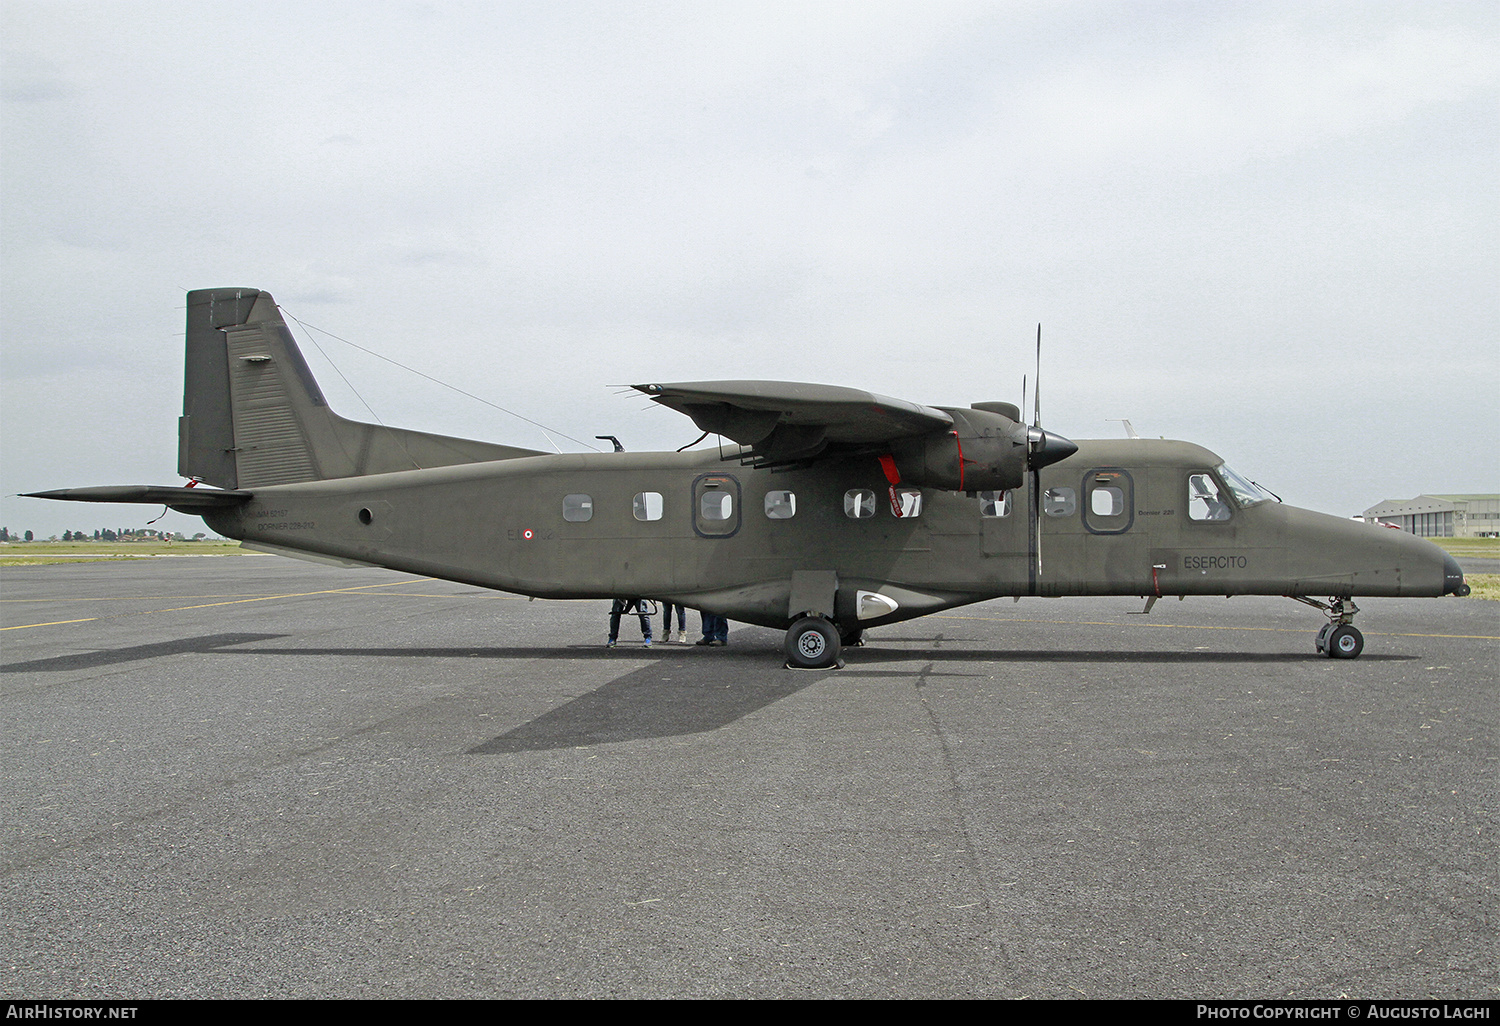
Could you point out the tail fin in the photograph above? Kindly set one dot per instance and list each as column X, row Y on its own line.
column 252, row 415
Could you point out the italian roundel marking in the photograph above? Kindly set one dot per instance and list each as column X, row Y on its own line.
column 526, row 534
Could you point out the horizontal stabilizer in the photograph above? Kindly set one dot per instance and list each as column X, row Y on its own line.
column 184, row 500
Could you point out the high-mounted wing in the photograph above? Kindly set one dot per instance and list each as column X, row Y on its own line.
column 786, row 422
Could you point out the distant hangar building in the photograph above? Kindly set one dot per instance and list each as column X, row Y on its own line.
column 1440, row 516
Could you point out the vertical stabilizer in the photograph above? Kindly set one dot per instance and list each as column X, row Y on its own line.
column 253, row 416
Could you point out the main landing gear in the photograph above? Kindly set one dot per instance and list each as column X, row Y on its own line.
column 813, row 643
column 1339, row 638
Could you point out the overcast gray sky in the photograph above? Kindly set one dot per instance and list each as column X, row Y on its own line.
column 1270, row 228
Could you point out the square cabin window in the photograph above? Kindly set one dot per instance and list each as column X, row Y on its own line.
column 907, row 503
column 1059, row 502
column 578, row 508
column 647, row 506
column 781, row 505
column 994, row 504
column 859, row 503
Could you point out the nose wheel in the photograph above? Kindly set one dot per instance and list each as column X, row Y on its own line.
column 1339, row 638
column 1340, row 641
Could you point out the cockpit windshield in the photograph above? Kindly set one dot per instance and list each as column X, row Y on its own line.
column 1246, row 493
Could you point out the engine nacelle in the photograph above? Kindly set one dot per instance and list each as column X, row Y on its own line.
column 984, row 451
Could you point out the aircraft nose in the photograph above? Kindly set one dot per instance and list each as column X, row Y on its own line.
column 1453, row 577
column 1047, row 449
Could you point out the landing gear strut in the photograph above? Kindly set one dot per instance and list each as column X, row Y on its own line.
column 812, row 643
column 1339, row 638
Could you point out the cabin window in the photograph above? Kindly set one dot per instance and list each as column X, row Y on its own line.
column 994, row 504
column 578, row 508
column 1059, row 502
column 906, row 502
column 781, row 505
column 647, row 506
column 1107, row 501
column 1108, row 493
column 716, row 505
column 859, row 503
column 1205, row 501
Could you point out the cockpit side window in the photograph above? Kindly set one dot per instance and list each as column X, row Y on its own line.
column 1205, row 502
column 1246, row 492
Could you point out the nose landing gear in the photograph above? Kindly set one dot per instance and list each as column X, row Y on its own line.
column 1339, row 638
column 1340, row 641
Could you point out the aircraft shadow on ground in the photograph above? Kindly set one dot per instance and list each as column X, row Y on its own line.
column 671, row 698
column 668, row 698
column 134, row 653
column 770, row 658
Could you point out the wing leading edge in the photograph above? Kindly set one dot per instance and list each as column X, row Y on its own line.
column 783, row 422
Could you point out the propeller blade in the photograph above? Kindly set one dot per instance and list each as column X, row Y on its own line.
column 1036, row 420
column 1036, row 513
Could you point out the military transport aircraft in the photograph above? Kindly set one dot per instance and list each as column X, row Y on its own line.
column 834, row 510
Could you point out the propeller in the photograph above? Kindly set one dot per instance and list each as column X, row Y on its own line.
column 1042, row 450
column 1036, row 440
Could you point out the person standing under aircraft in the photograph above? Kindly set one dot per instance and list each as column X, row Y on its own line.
column 622, row 606
column 715, row 630
column 666, row 623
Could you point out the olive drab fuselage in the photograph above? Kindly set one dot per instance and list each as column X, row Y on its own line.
column 708, row 532
column 833, row 509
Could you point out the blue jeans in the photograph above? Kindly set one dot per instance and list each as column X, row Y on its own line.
column 623, row 606
column 715, row 627
column 666, row 623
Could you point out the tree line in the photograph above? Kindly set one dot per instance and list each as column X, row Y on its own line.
column 105, row 534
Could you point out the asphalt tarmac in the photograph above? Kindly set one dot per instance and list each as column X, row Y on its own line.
column 253, row 777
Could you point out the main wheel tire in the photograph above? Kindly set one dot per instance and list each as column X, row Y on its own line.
column 812, row 643
column 1345, row 642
